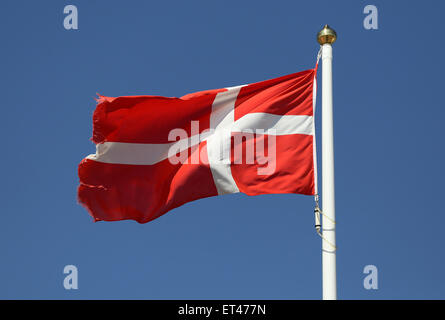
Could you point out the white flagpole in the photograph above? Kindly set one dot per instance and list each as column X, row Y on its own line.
column 326, row 37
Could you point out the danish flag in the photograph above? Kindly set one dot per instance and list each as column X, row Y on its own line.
column 154, row 154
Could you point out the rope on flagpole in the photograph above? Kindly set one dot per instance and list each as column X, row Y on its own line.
column 320, row 51
column 318, row 226
column 317, row 212
column 328, row 242
column 317, row 208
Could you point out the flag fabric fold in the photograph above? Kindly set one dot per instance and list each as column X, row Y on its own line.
column 155, row 153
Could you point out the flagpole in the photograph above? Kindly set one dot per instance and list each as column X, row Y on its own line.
column 326, row 37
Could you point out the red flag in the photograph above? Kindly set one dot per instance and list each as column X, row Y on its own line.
column 154, row 153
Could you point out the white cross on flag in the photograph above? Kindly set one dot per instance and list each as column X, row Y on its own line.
column 154, row 153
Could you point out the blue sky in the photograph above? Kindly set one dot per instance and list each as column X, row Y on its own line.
column 388, row 150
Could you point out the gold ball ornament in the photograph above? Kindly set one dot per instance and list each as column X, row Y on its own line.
column 326, row 35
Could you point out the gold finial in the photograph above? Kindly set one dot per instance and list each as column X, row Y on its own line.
column 326, row 35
